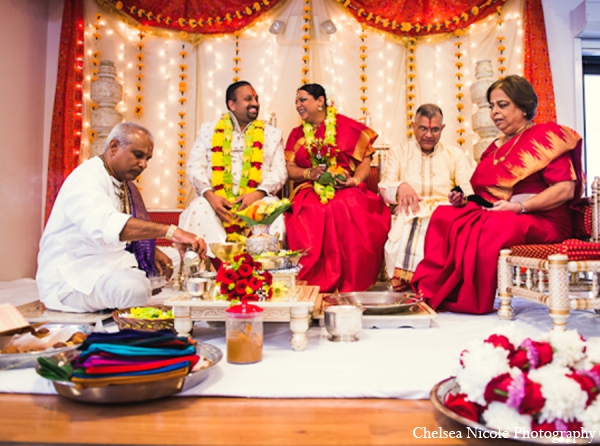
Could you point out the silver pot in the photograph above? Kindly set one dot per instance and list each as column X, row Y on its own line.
column 343, row 322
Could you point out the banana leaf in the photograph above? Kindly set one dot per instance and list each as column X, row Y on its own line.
column 268, row 219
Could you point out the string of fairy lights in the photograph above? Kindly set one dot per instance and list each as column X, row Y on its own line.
column 227, row 53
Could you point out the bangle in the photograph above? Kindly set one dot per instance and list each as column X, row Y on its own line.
column 523, row 210
column 306, row 174
column 356, row 181
column 171, row 232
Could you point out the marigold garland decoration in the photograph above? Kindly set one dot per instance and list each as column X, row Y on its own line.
column 237, row 60
column 501, row 47
column 411, row 69
column 363, row 72
column 138, row 110
column 307, row 17
column 460, row 21
column 460, row 140
column 181, row 124
column 95, row 64
column 252, row 160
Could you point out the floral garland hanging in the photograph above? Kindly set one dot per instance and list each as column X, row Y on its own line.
column 411, row 68
column 138, row 110
column 501, row 47
column 237, row 60
column 181, row 153
column 95, row 62
column 363, row 72
column 460, row 140
column 307, row 17
column 252, row 160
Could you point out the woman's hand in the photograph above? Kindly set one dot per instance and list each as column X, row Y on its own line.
column 316, row 172
column 457, row 199
column 503, row 205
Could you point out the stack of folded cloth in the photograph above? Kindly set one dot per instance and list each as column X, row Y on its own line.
column 128, row 357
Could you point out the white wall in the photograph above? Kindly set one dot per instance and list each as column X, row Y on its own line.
column 23, row 93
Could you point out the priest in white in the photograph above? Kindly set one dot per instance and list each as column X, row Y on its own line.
column 418, row 176
column 235, row 161
column 84, row 264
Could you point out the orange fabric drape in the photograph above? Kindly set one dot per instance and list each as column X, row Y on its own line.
column 65, row 137
column 537, row 61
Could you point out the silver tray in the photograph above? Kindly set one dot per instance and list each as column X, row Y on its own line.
column 450, row 386
column 280, row 261
column 378, row 302
column 23, row 360
column 130, row 393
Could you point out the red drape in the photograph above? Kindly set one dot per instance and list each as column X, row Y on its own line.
column 65, row 136
column 537, row 61
column 196, row 16
column 420, row 17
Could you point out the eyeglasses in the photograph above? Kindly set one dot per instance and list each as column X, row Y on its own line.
column 434, row 130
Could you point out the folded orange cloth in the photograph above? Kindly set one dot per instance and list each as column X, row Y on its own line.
column 136, row 379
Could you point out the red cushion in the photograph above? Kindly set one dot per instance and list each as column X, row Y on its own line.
column 166, row 217
column 574, row 249
column 583, row 220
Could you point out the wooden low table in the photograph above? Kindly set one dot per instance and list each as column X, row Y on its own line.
column 187, row 309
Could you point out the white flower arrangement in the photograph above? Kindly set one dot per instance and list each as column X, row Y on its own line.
column 550, row 383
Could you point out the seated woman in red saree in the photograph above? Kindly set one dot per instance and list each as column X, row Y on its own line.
column 530, row 177
column 342, row 225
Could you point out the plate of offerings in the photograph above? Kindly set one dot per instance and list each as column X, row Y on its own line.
column 272, row 261
column 376, row 302
column 22, row 349
column 144, row 389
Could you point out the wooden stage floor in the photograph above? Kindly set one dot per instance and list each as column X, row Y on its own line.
column 47, row 419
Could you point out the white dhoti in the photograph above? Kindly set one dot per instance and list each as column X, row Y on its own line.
column 199, row 218
column 405, row 246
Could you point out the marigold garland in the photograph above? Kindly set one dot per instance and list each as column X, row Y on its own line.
column 252, row 160
column 138, row 110
column 307, row 17
column 237, row 60
column 363, row 72
column 501, row 47
column 410, row 85
column 460, row 140
column 181, row 153
column 95, row 63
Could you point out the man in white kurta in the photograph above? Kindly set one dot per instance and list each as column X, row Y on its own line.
column 83, row 264
column 417, row 178
column 207, row 212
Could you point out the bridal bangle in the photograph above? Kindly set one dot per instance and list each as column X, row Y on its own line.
column 523, row 210
column 306, row 174
column 356, row 181
column 171, row 232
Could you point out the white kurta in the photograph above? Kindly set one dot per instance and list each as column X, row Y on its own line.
column 81, row 239
column 199, row 217
column 432, row 177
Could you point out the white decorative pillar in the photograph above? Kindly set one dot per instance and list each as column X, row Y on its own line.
column 107, row 93
column 482, row 122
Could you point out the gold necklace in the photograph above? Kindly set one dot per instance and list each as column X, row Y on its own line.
column 503, row 157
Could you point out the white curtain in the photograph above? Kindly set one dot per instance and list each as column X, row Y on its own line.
column 272, row 64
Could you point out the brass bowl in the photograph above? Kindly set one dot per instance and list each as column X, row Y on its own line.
column 225, row 251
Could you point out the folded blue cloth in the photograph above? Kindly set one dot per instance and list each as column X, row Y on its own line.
column 129, row 350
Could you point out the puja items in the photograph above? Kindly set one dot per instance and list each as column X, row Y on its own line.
column 244, row 279
column 343, row 322
column 259, row 216
column 151, row 318
column 545, row 386
column 244, row 333
column 126, row 357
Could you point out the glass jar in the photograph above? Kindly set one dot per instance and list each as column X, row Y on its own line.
column 244, row 332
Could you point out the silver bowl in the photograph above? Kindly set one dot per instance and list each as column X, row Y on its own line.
column 198, row 286
column 129, row 393
column 225, row 251
column 343, row 322
column 270, row 263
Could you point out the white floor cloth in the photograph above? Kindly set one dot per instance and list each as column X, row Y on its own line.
column 384, row 363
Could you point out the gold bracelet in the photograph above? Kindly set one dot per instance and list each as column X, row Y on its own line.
column 356, row 181
column 171, row 232
column 306, row 174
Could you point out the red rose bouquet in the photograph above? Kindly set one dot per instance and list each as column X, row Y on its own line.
column 244, row 279
column 518, row 384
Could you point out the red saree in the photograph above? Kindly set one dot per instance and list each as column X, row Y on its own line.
column 344, row 237
column 458, row 272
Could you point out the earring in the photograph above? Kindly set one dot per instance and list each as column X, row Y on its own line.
column 320, row 108
column 524, row 114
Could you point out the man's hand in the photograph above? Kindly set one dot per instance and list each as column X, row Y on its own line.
column 220, row 205
column 408, row 200
column 247, row 199
column 456, row 199
column 184, row 240
column 163, row 263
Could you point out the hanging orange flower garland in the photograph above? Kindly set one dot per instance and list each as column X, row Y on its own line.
column 237, row 60
column 411, row 74
column 363, row 72
column 501, row 47
column 138, row 110
column 181, row 124
column 307, row 17
column 460, row 140
column 95, row 63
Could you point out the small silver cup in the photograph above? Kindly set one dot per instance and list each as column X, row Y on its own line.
column 343, row 322
column 197, row 286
